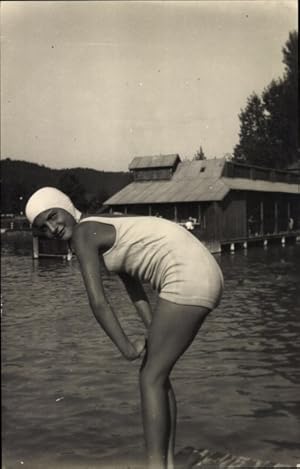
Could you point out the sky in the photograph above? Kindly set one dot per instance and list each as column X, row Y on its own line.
column 96, row 83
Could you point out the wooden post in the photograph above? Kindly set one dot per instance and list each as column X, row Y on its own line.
column 217, row 222
column 288, row 209
column 276, row 216
column 149, row 210
column 125, row 210
column 35, row 247
column 199, row 214
column 175, row 213
column 261, row 217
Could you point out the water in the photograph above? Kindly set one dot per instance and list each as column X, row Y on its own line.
column 70, row 400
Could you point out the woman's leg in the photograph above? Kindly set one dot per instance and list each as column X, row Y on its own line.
column 172, row 330
column 173, row 418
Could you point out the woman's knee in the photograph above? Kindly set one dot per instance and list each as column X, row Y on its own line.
column 152, row 376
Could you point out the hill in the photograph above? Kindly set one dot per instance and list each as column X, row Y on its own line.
column 88, row 188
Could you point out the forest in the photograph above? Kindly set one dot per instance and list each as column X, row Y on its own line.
column 88, row 188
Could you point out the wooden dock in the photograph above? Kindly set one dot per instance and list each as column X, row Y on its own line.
column 189, row 458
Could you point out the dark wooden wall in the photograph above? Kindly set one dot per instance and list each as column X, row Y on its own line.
column 152, row 174
column 233, row 214
column 228, row 220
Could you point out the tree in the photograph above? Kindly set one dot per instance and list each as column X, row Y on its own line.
column 252, row 145
column 70, row 185
column 291, row 89
column 269, row 125
column 199, row 155
column 95, row 203
column 277, row 124
column 228, row 156
column 290, row 58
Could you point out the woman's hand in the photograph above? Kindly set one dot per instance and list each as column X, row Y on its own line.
column 136, row 349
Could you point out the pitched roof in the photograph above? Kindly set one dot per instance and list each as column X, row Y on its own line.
column 194, row 181
column 159, row 161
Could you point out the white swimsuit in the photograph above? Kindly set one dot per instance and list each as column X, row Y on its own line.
column 165, row 254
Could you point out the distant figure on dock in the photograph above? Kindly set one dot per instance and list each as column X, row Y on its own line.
column 251, row 225
column 290, row 224
column 186, row 276
column 189, row 224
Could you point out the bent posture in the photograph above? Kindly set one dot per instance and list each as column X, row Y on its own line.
column 186, row 276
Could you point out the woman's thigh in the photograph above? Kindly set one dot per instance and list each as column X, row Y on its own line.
column 172, row 330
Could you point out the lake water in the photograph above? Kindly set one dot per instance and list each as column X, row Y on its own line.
column 70, row 400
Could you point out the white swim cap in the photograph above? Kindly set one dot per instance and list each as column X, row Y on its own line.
column 46, row 198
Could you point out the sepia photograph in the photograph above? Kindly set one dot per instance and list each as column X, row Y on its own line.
column 150, row 234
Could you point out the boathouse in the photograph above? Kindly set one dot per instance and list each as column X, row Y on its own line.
column 228, row 202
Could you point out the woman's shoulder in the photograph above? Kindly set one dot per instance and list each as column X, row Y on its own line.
column 100, row 215
column 92, row 224
column 90, row 231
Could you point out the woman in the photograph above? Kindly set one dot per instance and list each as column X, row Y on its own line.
column 186, row 276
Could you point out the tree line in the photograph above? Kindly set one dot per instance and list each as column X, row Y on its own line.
column 88, row 188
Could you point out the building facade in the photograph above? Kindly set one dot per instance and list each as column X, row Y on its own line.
column 221, row 201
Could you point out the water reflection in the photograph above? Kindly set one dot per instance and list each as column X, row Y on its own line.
column 67, row 394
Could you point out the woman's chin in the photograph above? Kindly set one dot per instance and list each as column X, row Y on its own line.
column 66, row 235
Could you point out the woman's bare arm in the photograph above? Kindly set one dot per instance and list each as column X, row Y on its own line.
column 138, row 297
column 86, row 244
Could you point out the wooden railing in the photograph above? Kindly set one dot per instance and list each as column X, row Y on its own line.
column 238, row 170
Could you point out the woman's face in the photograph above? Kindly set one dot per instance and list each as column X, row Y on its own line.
column 55, row 223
